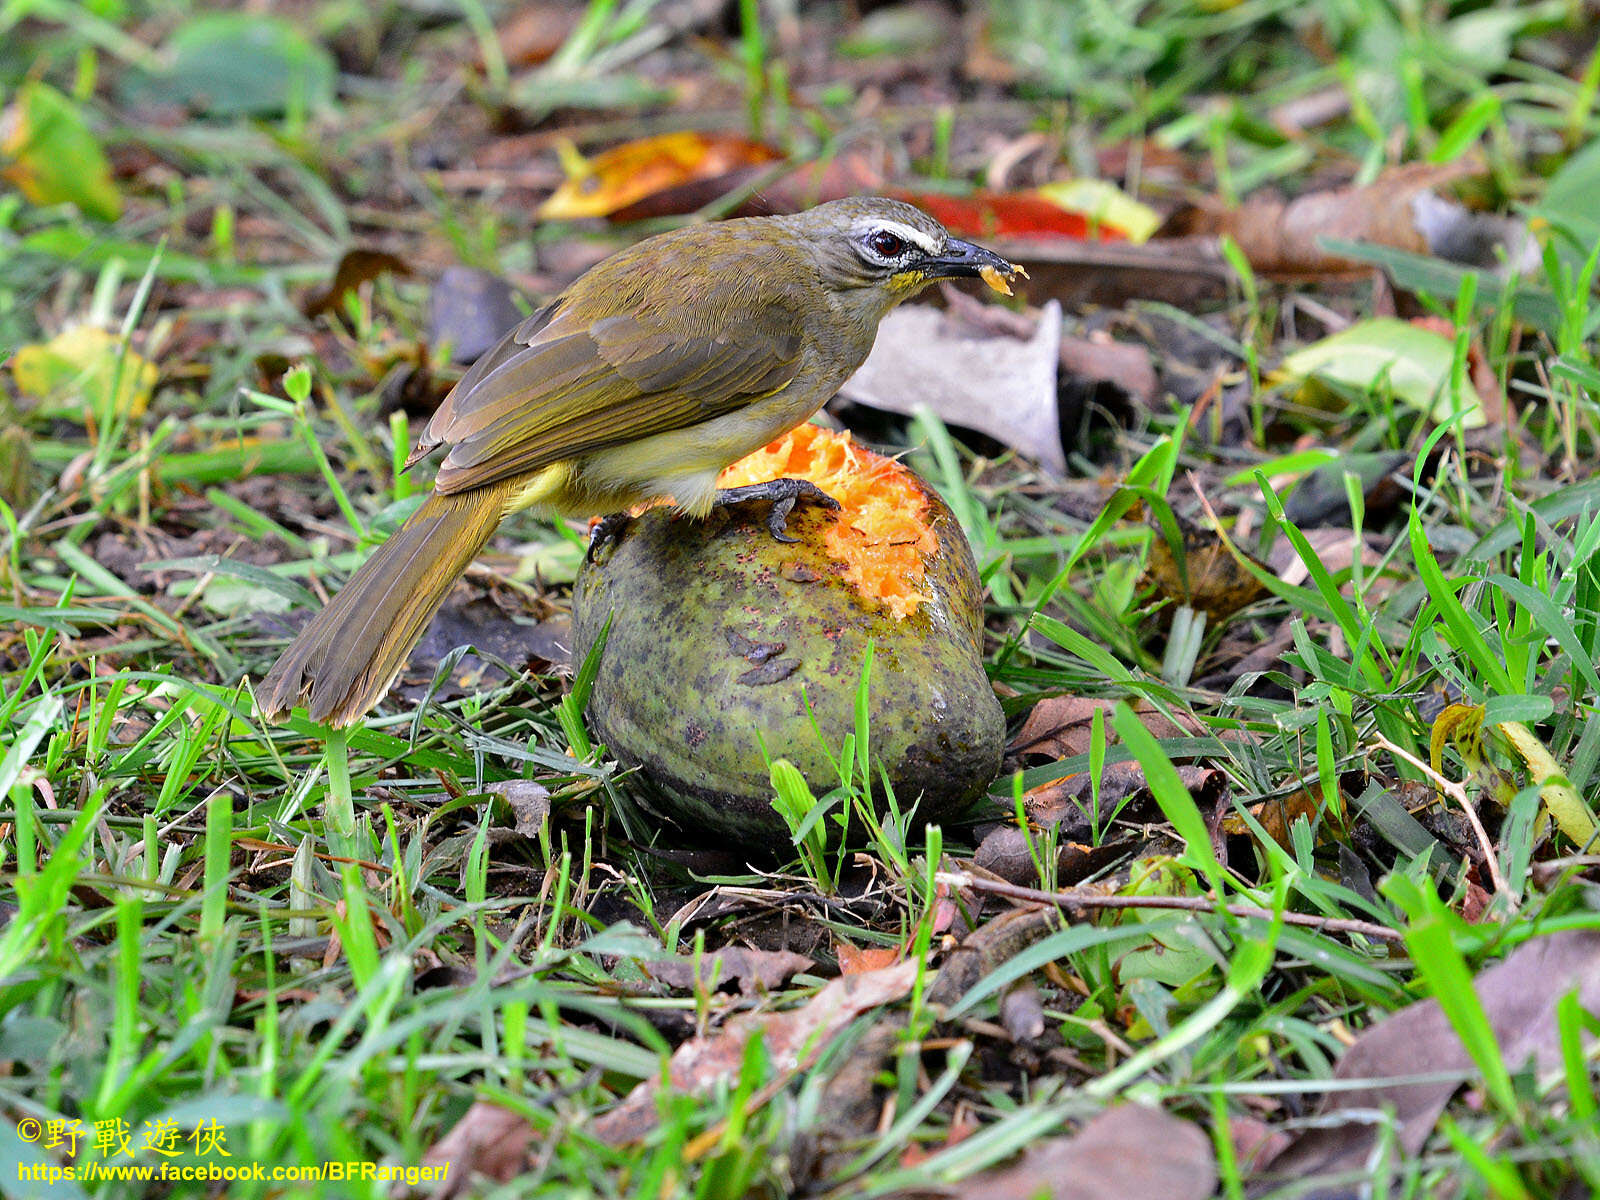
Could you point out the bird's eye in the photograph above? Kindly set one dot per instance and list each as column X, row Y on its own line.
column 886, row 245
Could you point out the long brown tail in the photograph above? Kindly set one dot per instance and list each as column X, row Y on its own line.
column 346, row 658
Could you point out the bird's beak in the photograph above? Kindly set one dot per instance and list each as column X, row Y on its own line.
column 964, row 260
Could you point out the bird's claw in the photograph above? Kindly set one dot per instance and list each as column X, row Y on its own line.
column 785, row 494
column 606, row 530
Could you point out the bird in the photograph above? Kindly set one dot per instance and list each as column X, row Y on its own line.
column 649, row 374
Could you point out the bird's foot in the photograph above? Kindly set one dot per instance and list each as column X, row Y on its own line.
column 784, row 494
column 606, row 530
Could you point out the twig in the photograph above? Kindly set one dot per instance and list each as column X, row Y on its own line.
column 1459, row 794
column 1086, row 899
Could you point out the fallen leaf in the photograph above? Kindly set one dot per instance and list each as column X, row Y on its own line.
column 1123, row 365
column 1028, row 214
column 853, row 960
column 1006, row 852
column 752, row 971
column 998, row 385
column 1336, row 549
column 1519, row 996
column 1206, row 575
column 1060, row 726
column 900, row 32
column 488, row 1140
column 851, row 1097
column 534, row 32
column 963, row 1124
column 1412, row 363
column 1321, row 498
column 1105, row 205
column 626, row 174
column 471, row 309
column 529, row 803
column 1130, row 1152
column 236, row 64
column 356, row 267
column 1123, row 786
column 1400, row 210
column 50, row 155
column 1254, row 1141
column 854, row 172
column 793, row 1039
column 1277, row 816
column 494, row 635
column 85, row 372
column 1310, row 109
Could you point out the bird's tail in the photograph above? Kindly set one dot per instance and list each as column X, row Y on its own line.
column 346, row 658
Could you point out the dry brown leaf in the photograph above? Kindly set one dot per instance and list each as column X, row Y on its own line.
column 1336, row 550
column 533, row 32
column 1209, row 576
column 1254, row 1141
column 1126, row 1153
column 1277, row 816
column 1123, row 365
column 470, row 309
column 529, row 803
column 358, row 266
column 1002, row 386
column 792, row 1039
column 1519, row 996
column 1005, row 852
column 854, row 960
column 1067, row 802
column 852, row 1098
column 1401, row 210
column 751, row 971
column 487, row 1140
column 1059, row 726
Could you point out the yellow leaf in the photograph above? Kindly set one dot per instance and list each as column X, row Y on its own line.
column 86, row 372
column 1560, row 798
column 1461, row 724
column 1104, row 204
column 48, row 152
column 626, row 174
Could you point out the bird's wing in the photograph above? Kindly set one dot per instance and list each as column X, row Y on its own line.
column 560, row 385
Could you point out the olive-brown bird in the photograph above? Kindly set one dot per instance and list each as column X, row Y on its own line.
column 652, row 372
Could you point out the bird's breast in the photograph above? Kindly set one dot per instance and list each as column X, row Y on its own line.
column 684, row 463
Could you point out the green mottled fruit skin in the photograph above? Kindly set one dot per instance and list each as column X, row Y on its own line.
column 716, row 629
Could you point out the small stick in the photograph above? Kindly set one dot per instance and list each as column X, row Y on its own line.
column 1459, row 794
column 1083, row 899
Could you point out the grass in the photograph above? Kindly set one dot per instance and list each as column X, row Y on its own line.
column 230, row 943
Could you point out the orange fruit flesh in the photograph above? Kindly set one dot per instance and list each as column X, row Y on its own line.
column 880, row 534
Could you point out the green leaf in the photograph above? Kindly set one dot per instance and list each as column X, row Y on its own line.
column 238, row 65
column 49, row 154
column 1413, row 363
column 1569, row 197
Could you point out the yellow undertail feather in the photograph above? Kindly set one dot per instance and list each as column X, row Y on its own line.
column 343, row 662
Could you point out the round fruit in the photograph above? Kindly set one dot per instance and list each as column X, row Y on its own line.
column 727, row 647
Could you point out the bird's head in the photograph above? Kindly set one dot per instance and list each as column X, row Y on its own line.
column 874, row 252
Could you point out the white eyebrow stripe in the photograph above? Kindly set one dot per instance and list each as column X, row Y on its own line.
column 905, row 233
